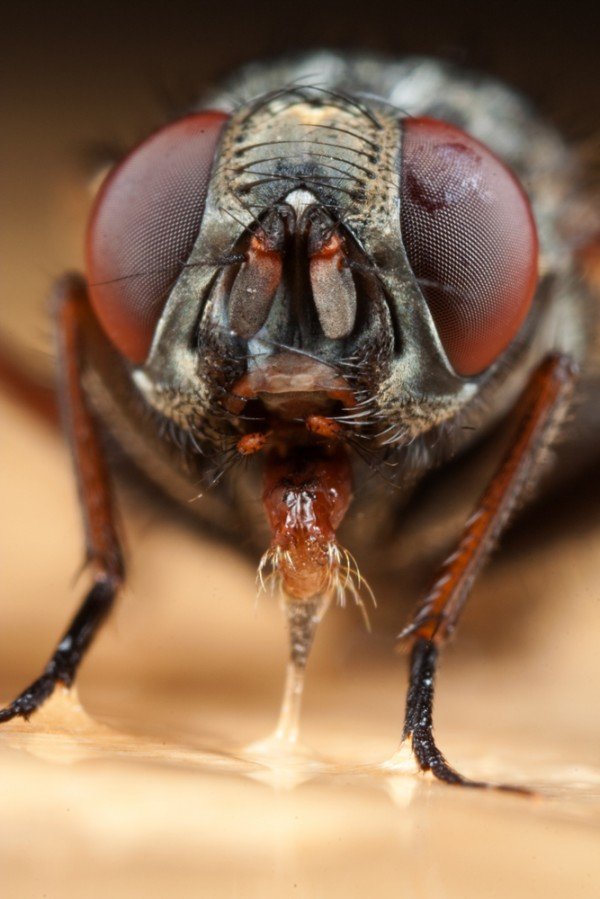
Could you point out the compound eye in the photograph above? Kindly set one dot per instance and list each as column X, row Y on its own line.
column 471, row 241
column 143, row 226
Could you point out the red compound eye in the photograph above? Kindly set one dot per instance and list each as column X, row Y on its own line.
column 144, row 225
column 470, row 238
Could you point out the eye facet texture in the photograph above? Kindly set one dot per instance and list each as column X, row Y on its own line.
column 144, row 224
column 470, row 238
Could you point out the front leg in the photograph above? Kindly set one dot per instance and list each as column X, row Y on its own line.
column 102, row 545
column 539, row 412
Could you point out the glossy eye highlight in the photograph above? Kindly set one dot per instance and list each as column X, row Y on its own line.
column 143, row 226
column 470, row 238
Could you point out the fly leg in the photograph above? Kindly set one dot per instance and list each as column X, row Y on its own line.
column 538, row 414
column 103, row 552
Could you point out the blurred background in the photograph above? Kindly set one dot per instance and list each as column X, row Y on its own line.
column 186, row 663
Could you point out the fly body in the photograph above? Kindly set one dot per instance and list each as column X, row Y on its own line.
column 342, row 279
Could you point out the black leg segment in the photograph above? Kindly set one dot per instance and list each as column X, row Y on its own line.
column 68, row 654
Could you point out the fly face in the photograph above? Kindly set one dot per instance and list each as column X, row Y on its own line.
column 315, row 276
column 400, row 253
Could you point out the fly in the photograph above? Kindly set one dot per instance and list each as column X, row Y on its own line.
column 361, row 267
